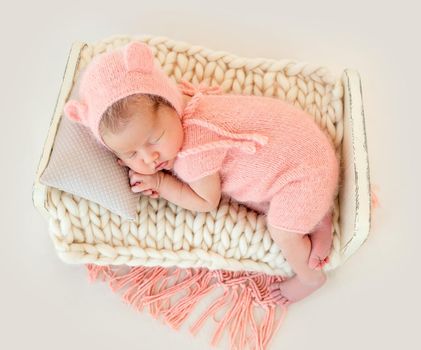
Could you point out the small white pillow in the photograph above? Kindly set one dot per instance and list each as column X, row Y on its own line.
column 80, row 165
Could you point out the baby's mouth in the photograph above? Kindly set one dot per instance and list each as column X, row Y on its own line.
column 160, row 166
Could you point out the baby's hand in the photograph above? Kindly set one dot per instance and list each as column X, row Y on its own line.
column 146, row 184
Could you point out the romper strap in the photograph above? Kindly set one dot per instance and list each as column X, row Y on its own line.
column 196, row 92
column 247, row 142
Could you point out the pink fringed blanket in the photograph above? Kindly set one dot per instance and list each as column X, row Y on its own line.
column 243, row 294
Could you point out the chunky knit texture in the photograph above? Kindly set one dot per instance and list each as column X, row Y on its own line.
column 270, row 155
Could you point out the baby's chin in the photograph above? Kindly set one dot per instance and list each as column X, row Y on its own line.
column 149, row 171
column 145, row 172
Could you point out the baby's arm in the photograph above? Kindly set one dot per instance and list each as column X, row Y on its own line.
column 202, row 195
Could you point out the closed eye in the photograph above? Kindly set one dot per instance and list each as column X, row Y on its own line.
column 132, row 155
column 156, row 141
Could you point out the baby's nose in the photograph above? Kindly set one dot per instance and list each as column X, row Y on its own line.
column 151, row 158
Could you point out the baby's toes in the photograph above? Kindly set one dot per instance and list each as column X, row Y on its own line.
column 281, row 300
column 317, row 263
column 274, row 291
column 274, row 287
column 314, row 262
column 277, row 297
column 324, row 262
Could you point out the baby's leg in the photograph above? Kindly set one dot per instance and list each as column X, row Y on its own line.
column 321, row 242
column 295, row 248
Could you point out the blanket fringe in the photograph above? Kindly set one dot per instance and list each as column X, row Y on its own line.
column 244, row 293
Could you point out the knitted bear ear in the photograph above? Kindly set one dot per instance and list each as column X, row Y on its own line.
column 76, row 111
column 138, row 57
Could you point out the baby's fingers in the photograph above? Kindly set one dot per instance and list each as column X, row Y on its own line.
column 139, row 187
column 154, row 194
column 135, row 178
column 151, row 193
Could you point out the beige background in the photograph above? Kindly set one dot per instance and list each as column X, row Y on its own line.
column 371, row 302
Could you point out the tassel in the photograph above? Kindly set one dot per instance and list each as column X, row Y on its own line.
column 161, row 305
column 94, row 271
column 217, row 305
column 244, row 293
column 176, row 315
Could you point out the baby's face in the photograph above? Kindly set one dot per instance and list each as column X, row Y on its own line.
column 150, row 141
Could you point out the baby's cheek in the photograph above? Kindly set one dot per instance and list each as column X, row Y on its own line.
column 170, row 164
column 142, row 169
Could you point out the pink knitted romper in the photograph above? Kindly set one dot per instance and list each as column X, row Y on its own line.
column 270, row 155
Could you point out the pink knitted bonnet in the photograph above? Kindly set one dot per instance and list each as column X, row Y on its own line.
column 114, row 75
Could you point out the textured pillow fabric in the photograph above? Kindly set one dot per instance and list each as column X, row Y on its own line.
column 79, row 165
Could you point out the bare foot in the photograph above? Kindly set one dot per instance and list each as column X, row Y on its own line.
column 321, row 243
column 293, row 290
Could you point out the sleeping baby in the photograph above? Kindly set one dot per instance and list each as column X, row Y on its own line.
column 190, row 144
